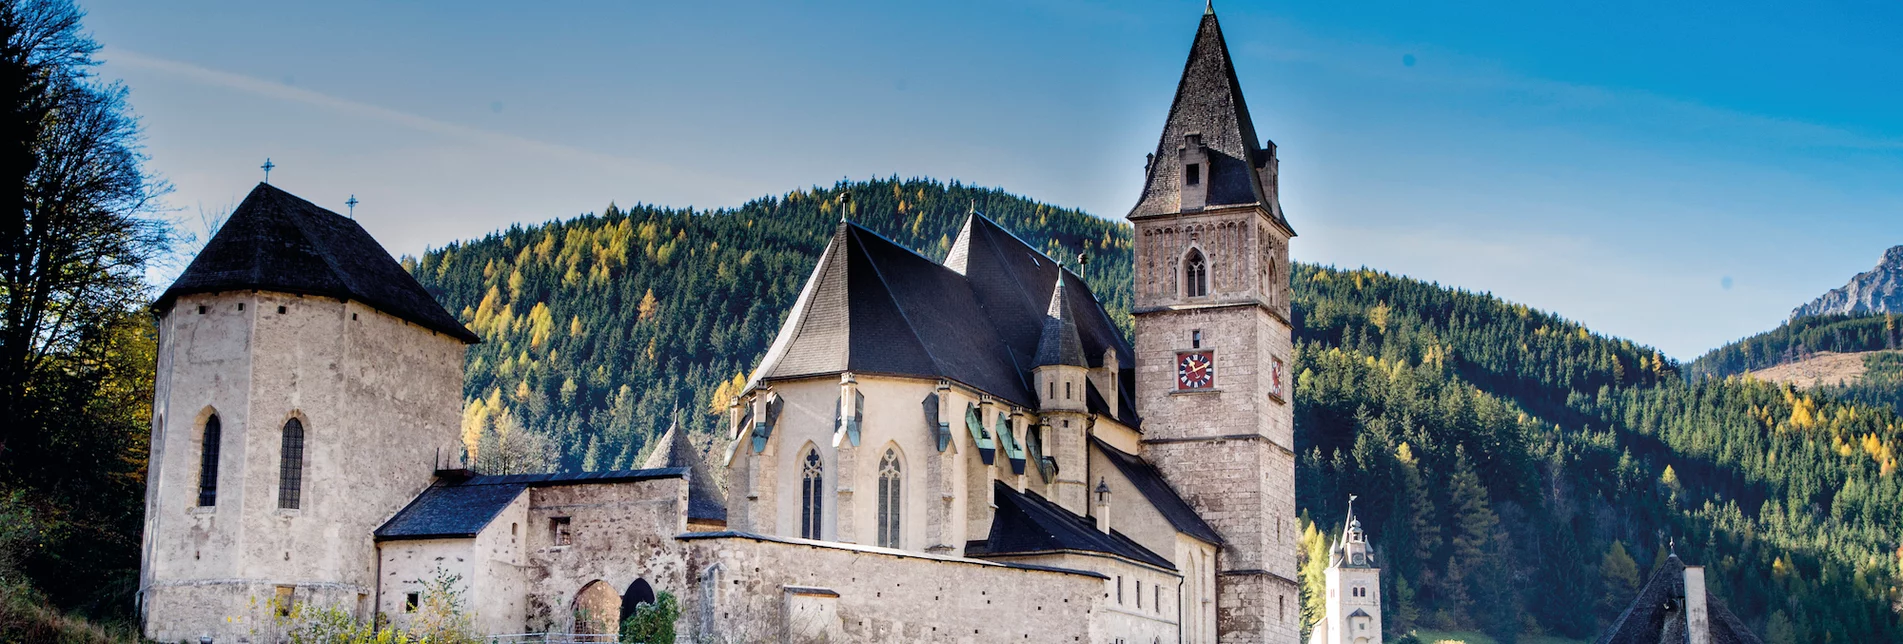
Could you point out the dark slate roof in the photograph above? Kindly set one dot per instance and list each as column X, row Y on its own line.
column 277, row 242
column 1158, row 492
column 872, row 306
column 1657, row 615
column 1209, row 102
column 704, row 501
column 1058, row 343
column 1026, row 524
column 460, row 509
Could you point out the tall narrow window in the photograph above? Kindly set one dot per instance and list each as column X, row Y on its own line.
column 1195, row 275
column 1192, row 174
column 208, row 464
column 812, row 474
column 891, row 501
column 291, row 466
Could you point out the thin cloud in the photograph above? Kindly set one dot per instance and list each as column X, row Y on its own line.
column 282, row 92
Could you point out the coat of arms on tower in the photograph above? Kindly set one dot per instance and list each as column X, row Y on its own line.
column 1276, row 378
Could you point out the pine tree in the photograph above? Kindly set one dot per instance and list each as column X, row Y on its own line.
column 1473, row 521
column 1620, row 575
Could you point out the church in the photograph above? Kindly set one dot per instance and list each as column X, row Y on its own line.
column 1027, row 473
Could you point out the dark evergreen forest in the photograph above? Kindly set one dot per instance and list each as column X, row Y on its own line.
column 1520, row 473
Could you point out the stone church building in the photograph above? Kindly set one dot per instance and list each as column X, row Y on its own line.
column 956, row 451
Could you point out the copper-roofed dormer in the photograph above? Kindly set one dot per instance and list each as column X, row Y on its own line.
column 1209, row 155
column 278, row 242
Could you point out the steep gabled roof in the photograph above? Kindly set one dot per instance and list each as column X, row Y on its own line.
column 1657, row 615
column 1028, row 524
column 704, row 501
column 1209, row 103
column 1158, row 492
column 277, row 242
column 873, row 306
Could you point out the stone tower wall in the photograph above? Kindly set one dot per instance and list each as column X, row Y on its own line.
column 1227, row 450
column 379, row 399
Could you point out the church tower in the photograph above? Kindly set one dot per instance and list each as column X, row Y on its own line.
column 1353, row 580
column 1213, row 339
column 307, row 388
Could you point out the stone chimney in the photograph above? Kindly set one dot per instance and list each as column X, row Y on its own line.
column 1103, row 506
column 1697, row 616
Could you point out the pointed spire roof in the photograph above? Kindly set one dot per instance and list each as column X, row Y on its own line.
column 1209, row 105
column 1059, row 344
column 1657, row 614
column 277, row 242
column 674, row 450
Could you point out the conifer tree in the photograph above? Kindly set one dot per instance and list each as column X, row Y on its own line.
column 1620, row 575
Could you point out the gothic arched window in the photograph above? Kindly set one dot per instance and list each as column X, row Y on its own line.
column 1195, row 274
column 812, row 475
column 891, row 501
column 208, row 464
column 291, row 466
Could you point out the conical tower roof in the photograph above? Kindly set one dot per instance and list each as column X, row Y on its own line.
column 674, row 450
column 1059, row 343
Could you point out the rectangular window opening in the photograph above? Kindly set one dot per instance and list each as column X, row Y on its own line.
column 1066, row 391
column 282, row 601
column 1196, row 339
column 558, row 531
column 1193, row 174
column 412, row 601
column 201, row 309
column 280, row 310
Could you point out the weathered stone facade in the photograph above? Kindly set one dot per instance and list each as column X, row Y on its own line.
column 378, row 399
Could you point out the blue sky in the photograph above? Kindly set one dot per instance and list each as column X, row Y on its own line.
column 1679, row 173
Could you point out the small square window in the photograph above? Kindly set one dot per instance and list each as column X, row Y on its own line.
column 353, row 317
column 558, row 531
column 1196, row 339
column 1193, row 174
column 412, row 601
column 280, row 310
column 201, row 309
column 241, row 306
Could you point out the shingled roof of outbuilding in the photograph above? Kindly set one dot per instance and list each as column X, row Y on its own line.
column 275, row 241
column 461, row 508
column 704, row 501
column 1209, row 103
column 1657, row 615
column 1028, row 524
column 873, row 306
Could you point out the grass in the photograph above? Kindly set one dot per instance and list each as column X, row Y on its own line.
column 1464, row 637
column 25, row 617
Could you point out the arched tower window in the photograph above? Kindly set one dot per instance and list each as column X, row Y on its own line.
column 208, row 464
column 291, row 466
column 1195, row 274
column 890, row 499
column 812, row 475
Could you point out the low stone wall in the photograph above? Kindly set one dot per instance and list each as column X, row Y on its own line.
column 753, row 588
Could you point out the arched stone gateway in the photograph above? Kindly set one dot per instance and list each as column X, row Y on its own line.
column 639, row 592
column 597, row 610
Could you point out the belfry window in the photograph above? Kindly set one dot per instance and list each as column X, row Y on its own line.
column 208, row 464
column 812, row 475
column 1195, row 275
column 291, row 466
column 891, row 501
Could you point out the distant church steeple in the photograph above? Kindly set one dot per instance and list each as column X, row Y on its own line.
column 1353, row 582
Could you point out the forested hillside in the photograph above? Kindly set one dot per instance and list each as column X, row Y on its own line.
column 1520, row 473
column 1875, row 335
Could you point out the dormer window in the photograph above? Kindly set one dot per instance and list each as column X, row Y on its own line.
column 1193, row 174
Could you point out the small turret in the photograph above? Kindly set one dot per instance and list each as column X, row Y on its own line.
column 1061, row 368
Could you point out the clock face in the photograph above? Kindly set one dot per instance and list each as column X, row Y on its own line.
column 1276, row 377
column 1195, row 370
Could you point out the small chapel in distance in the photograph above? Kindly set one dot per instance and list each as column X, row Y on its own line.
column 956, row 451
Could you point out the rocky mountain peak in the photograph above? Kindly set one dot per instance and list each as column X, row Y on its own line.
column 1879, row 290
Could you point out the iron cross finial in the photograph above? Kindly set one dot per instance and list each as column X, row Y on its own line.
column 267, row 169
column 352, row 203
